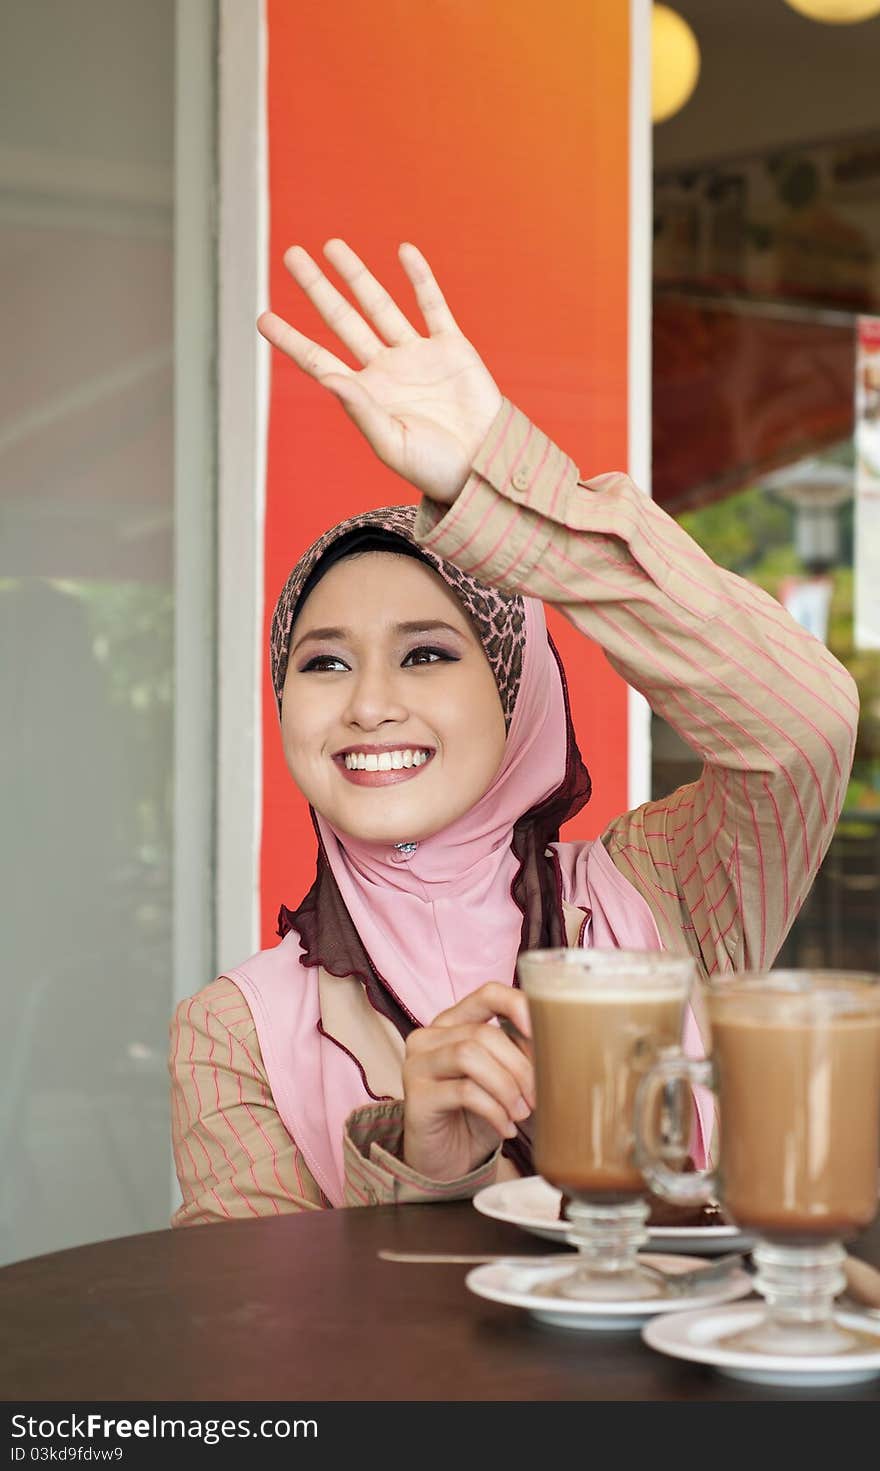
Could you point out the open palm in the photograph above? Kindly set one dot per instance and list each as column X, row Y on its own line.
column 424, row 404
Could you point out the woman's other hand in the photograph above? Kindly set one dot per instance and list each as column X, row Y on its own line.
column 466, row 1083
column 425, row 404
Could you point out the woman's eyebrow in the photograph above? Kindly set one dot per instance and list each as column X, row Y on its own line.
column 345, row 634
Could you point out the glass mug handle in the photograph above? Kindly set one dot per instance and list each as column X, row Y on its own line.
column 693, row 1188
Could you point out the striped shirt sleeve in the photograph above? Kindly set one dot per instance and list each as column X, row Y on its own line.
column 725, row 862
column 234, row 1157
column 375, row 1173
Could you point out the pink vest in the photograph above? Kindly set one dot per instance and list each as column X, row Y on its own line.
column 327, row 1052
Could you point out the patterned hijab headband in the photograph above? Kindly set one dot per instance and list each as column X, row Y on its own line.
column 498, row 618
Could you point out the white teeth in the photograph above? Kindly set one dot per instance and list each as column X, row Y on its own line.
column 387, row 761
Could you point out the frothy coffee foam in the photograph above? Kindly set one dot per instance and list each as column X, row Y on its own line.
column 576, row 991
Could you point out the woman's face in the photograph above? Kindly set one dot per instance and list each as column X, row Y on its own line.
column 369, row 688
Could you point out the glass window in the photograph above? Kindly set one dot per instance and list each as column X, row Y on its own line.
column 87, row 618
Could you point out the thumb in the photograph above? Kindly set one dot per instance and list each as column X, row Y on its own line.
column 374, row 422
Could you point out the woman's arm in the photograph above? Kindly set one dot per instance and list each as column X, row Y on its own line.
column 728, row 859
column 234, row 1158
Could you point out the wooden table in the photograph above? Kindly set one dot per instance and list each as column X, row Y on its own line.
column 300, row 1308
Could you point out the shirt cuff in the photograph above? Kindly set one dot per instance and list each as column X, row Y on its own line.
column 375, row 1173
column 502, row 521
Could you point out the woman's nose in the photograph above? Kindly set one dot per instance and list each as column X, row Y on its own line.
column 375, row 697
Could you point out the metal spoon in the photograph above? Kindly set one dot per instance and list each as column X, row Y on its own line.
column 862, row 1293
column 677, row 1283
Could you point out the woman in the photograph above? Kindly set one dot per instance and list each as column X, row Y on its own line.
column 424, row 715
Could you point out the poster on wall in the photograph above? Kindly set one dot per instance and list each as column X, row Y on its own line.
column 866, row 612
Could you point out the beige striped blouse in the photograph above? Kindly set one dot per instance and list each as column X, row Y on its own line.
column 724, row 862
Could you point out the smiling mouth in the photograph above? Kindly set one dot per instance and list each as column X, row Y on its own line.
column 386, row 775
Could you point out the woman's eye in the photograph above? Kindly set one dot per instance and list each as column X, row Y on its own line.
column 433, row 653
column 319, row 662
column 422, row 655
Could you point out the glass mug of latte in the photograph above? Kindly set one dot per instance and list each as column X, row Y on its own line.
column 796, row 1068
column 600, row 1018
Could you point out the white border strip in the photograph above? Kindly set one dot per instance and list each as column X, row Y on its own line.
column 639, row 342
column 195, row 418
column 194, row 498
column 243, row 394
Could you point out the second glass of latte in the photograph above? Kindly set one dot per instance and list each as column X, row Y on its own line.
column 796, row 1068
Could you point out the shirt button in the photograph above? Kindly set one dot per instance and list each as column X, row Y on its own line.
column 522, row 479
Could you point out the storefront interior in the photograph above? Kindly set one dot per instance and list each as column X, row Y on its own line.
column 766, row 372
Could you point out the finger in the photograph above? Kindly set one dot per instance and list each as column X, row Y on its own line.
column 375, row 300
column 338, row 313
column 432, row 302
column 464, row 1093
column 469, row 1059
column 492, row 1000
column 377, row 426
column 513, row 1059
column 424, row 1045
column 516, row 1036
column 314, row 360
column 438, row 1041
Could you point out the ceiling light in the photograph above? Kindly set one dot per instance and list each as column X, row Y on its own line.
column 836, row 12
column 675, row 62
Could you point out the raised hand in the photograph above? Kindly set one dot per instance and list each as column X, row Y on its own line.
column 466, row 1083
column 424, row 404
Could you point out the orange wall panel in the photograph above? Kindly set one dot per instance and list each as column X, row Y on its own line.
column 495, row 136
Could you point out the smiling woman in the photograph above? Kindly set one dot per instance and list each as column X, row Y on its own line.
column 360, row 1059
column 381, row 688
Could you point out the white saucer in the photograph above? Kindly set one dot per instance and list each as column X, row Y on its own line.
column 697, row 1336
column 534, row 1205
column 527, row 1287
